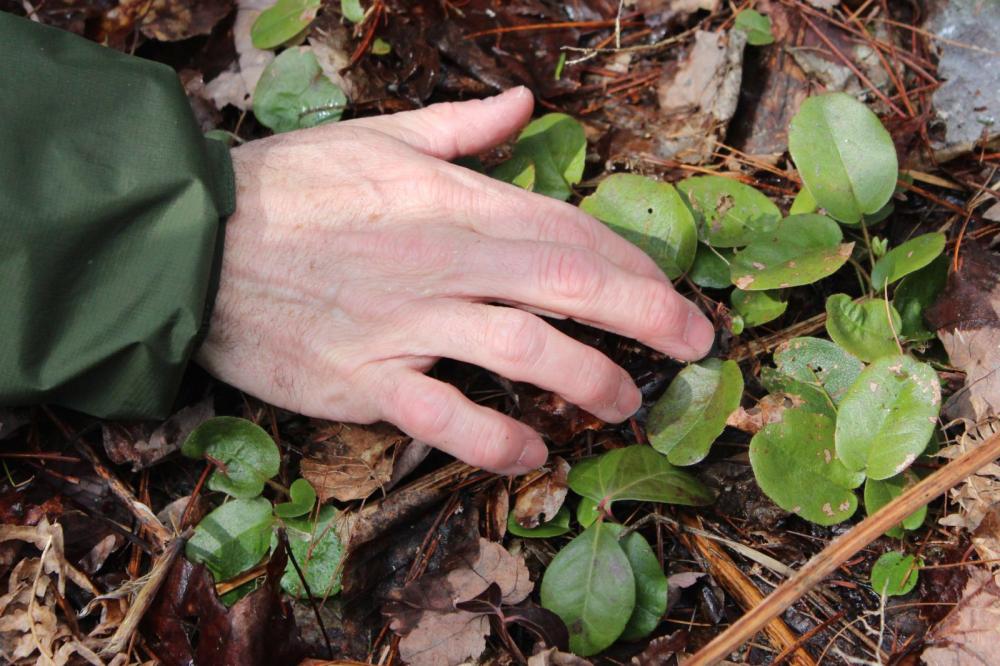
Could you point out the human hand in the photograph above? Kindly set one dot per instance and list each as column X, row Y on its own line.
column 358, row 256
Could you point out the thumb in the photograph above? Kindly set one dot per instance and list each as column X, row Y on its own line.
column 452, row 129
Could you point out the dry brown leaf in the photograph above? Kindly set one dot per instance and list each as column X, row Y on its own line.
column 967, row 319
column 769, row 410
column 144, row 444
column 349, row 462
column 970, row 633
column 977, row 495
column 48, row 538
column 542, row 496
column 236, row 85
column 173, row 20
column 553, row 657
column 423, row 613
column 986, row 540
column 699, row 98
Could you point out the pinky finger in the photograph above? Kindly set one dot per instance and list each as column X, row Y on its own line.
column 438, row 413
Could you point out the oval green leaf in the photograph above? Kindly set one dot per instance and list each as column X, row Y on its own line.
column 557, row 146
column 895, row 574
column 649, row 213
column 728, row 212
column 587, row 511
column 558, row 526
column 804, row 202
column 232, row 538
column 845, row 156
column 865, row 328
column 878, row 493
column 293, row 93
column 911, row 256
column 819, row 362
column 757, row 307
column 710, row 268
column 801, row 250
column 303, row 498
column 756, row 26
column 636, row 473
column 245, row 455
column 318, row 551
column 650, row 588
column 590, row 585
column 352, row 10
column 888, row 416
column 915, row 294
column 518, row 170
column 282, row 21
column 804, row 395
column 692, row 413
column 796, row 465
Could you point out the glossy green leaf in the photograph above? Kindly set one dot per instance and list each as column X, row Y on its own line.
column 587, row 511
column 736, row 324
column 558, row 526
column 728, row 213
column 636, row 473
column 293, row 93
column 232, row 538
column 917, row 292
column 863, row 328
column 649, row 213
column 518, row 170
column 352, row 10
column 557, row 146
column 911, row 256
column 887, row 417
column 303, row 498
column 245, row 454
column 895, row 574
column 757, row 307
column 650, row 588
column 844, row 155
column 879, row 493
column 756, row 26
column 692, row 413
column 380, row 47
column 282, row 21
column 710, row 268
column 318, row 551
column 819, row 362
column 803, row 203
column 801, row 250
column 796, row 465
column 806, row 395
column 590, row 585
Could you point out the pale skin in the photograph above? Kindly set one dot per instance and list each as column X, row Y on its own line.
column 358, row 256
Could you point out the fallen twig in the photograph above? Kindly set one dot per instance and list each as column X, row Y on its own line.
column 843, row 548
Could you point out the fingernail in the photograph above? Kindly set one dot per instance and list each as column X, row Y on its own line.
column 698, row 332
column 511, row 92
column 534, row 454
column 628, row 400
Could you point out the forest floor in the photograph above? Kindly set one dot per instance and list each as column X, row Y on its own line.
column 669, row 90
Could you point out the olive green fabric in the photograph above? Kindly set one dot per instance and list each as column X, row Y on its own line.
column 112, row 206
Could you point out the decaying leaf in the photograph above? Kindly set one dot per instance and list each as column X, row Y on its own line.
column 424, row 612
column 174, row 20
column 541, row 498
column 986, row 540
column 699, row 98
column 970, row 633
column 967, row 319
column 144, row 444
column 979, row 492
column 236, row 85
column 349, row 462
column 553, row 657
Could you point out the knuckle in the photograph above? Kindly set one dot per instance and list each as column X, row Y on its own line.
column 425, row 415
column 571, row 273
column 563, row 228
column 514, row 337
column 661, row 313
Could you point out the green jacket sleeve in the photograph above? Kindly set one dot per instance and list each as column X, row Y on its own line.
column 112, row 207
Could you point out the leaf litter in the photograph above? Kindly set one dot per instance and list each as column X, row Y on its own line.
column 682, row 96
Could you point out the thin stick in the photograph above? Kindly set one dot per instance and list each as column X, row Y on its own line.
column 843, row 548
